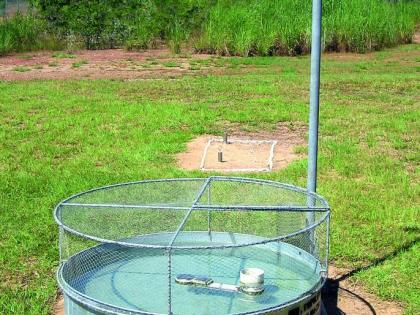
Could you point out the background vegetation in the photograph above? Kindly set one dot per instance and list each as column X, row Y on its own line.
column 62, row 137
column 26, row 32
column 241, row 27
column 272, row 27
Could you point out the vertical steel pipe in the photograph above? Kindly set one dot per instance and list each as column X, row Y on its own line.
column 314, row 113
column 314, row 100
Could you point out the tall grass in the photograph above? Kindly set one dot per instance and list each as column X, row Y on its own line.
column 361, row 26
column 228, row 27
column 25, row 33
column 268, row 27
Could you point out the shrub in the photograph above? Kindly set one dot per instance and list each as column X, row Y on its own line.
column 137, row 24
column 144, row 29
column 26, row 32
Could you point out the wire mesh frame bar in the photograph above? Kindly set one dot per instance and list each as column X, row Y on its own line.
column 325, row 209
column 327, row 254
column 60, row 242
column 216, row 207
column 215, row 178
column 112, row 205
column 261, row 208
column 181, row 225
column 138, row 182
column 65, row 202
column 265, row 241
column 273, row 184
column 208, row 210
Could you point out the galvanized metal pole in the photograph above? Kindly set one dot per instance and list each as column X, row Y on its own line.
column 314, row 114
column 314, row 100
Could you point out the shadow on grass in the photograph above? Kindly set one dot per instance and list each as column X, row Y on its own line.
column 332, row 287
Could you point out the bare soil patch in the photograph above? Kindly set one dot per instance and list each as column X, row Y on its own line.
column 343, row 295
column 123, row 64
column 246, row 156
column 59, row 305
column 237, row 155
column 98, row 64
column 348, row 56
column 416, row 38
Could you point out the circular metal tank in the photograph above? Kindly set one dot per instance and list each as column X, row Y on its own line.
column 122, row 247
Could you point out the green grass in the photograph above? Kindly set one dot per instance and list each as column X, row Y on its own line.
column 170, row 64
column 21, row 69
column 390, row 279
column 63, row 55
column 26, row 57
column 79, row 63
column 194, row 67
column 62, row 137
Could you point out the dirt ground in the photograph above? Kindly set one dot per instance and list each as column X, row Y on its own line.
column 416, row 38
column 246, row 156
column 122, row 64
column 342, row 295
column 98, row 64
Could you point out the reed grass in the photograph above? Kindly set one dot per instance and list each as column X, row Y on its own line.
column 26, row 32
column 226, row 27
column 278, row 27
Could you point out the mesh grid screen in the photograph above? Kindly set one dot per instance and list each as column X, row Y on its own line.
column 122, row 247
column 118, row 223
column 170, row 192
column 224, row 191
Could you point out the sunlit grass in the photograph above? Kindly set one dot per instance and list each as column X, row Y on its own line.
column 79, row 63
column 61, row 137
column 21, row 69
column 63, row 55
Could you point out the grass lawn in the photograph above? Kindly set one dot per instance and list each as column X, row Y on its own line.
column 58, row 138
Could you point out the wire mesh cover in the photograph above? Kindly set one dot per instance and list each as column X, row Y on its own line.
column 122, row 246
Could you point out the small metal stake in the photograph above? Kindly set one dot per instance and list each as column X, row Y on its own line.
column 225, row 138
column 220, row 156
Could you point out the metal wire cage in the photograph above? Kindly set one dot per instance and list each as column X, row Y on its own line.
column 122, row 247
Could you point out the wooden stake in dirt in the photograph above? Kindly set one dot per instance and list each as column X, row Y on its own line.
column 220, row 156
column 225, row 138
